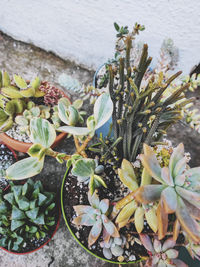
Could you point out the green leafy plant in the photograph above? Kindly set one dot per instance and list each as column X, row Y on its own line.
column 95, row 215
column 26, row 212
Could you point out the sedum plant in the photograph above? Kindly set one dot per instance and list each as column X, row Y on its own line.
column 95, row 215
column 26, row 212
column 161, row 254
column 114, row 247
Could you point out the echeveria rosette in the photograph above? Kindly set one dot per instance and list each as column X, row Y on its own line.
column 161, row 255
column 140, row 211
column 95, row 215
column 174, row 193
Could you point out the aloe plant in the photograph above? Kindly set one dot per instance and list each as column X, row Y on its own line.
column 176, row 190
column 95, row 215
column 26, row 212
column 161, row 254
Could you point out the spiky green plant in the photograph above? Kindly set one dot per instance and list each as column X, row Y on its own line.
column 95, row 215
column 161, row 254
column 26, row 212
column 140, row 115
column 177, row 191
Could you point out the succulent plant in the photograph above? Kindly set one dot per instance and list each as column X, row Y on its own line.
column 193, row 249
column 114, row 247
column 127, row 207
column 19, row 88
column 95, row 215
column 25, row 213
column 161, row 254
column 177, row 191
column 87, row 171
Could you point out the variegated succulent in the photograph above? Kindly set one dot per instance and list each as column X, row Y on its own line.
column 161, row 255
column 18, row 87
column 129, row 206
column 87, row 171
column 95, row 215
column 177, row 190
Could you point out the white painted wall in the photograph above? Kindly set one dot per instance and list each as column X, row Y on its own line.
column 82, row 30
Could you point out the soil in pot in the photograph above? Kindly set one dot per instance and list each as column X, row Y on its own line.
column 7, row 158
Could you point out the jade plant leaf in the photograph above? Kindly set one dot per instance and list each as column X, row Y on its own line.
column 42, row 132
column 25, row 168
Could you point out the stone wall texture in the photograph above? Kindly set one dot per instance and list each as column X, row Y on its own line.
column 83, row 30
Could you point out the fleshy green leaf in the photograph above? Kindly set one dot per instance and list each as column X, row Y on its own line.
column 17, row 214
column 169, row 198
column 32, row 214
column 103, row 109
column 127, row 211
column 109, row 226
column 16, row 224
column 139, row 219
column 10, row 198
column 177, row 155
column 74, row 130
column 149, row 193
column 104, row 205
column 95, row 232
column 24, row 168
column 84, row 167
column 42, row 199
column 190, row 196
column 23, row 203
column 42, row 132
column 37, row 150
column 20, row 82
column 39, row 219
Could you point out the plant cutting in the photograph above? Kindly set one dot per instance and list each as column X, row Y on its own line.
column 28, row 217
column 121, row 194
column 21, row 100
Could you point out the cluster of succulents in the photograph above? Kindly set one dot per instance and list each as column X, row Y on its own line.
column 26, row 212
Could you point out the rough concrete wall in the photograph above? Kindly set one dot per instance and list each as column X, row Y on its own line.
column 83, row 30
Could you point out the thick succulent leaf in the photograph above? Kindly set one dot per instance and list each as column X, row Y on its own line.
column 35, row 83
column 193, row 211
column 74, row 130
column 176, row 229
column 63, row 105
column 104, row 205
column 16, row 224
column 84, row 219
column 189, row 225
column 5, row 78
column 169, row 243
column 11, row 92
column 193, row 178
column 81, row 209
column 177, row 155
column 150, row 163
column 157, row 245
column 117, row 250
column 166, row 176
column 149, row 193
column 100, row 180
column 127, row 180
column 95, row 232
column 10, row 198
column 169, row 199
column 180, row 167
column 78, row 103
column 109, row 226
column 146, row 241
column 17, row 214
column 94, row 200
column 28, row 92
column 107, row 253
column 139, row 219
column 35, row 151
column 42, row 132
column 39, row 220
column 162, row 221
column 20, row 82
column 103, row 109
column 179, row 263
column 24, row 168
column 23, row 203
column 180, row 180
column 84, row 167
column 152, row 219
column 32, row 214
column 190, row 196
column 127, row 211
column 128, row 168
column 146, row 178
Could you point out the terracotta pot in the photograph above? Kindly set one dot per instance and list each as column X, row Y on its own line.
column 32, row 251
column 22, row 146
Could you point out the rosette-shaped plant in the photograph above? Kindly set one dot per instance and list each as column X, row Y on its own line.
column 95, row 215
column 161, row 255
column 177, row 192
column 114, row 247
column 130, row 207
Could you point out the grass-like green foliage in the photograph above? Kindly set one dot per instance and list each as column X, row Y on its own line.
column 177, row 191
column 26, row 211
column 95, row 215
column 140, row 114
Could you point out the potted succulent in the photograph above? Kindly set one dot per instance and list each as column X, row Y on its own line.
column 29, row 217
column 22, row 100
column 7, row 158
column 132, row 197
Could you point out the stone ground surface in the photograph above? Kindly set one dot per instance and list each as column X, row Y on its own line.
column 63, row 251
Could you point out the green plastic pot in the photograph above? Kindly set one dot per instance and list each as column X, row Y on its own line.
column 70, row 230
